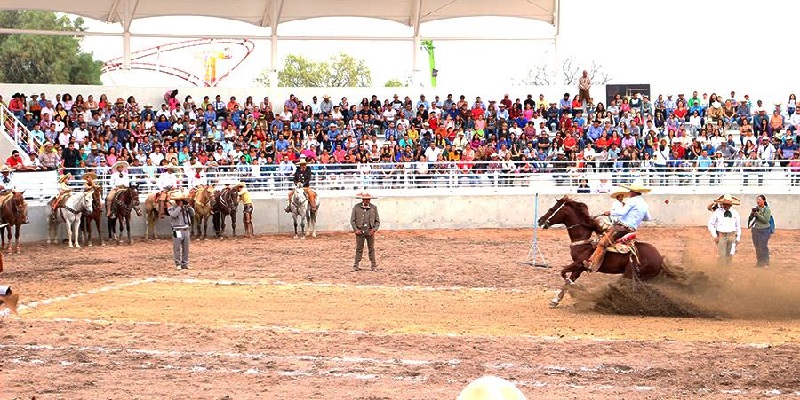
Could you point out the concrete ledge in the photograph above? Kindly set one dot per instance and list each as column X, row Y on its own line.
column 456, row 212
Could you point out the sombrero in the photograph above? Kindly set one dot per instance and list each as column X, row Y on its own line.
column 89, row 175
column 5, row 168
column 365, row 195
column 64, row 178
column 617, row 191
column 239, row 184
column 728, row 199
column 124, row 164
column 637, row 187
column 303, row 161
column 178, row 195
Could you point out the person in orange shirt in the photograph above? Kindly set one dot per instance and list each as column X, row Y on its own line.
column 232, row 104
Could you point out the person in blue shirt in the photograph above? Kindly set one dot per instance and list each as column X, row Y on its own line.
column 704, row 164
column 626, row 220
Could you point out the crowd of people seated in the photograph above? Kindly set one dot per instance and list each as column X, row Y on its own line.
column 668, row 135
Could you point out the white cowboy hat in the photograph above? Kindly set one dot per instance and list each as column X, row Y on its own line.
column 64, row 178
column 239, row 184
column 124, row 164
column 89, row 175
column 728, row 199
column 637, row 187
column 617, row 191
column 178, row 195
column 365, row 195
column 6, row 168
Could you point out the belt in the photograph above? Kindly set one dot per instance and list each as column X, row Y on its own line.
column 630, row 228
column 725, row 233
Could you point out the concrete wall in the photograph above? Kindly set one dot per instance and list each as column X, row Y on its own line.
column 458, row 212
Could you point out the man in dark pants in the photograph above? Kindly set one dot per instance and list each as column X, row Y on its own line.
column 365, row 222
column 181, row 214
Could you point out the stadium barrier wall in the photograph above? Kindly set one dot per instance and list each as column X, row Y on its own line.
column 416, row 212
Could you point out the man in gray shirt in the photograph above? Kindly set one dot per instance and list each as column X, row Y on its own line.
column 365, row 222
column 181, row 214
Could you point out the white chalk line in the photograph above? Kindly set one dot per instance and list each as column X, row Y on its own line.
column 195, row 281
column 369, row 361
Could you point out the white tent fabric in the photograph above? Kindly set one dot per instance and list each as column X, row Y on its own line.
column 271, row 13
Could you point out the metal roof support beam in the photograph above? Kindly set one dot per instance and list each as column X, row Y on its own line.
column 416, row 12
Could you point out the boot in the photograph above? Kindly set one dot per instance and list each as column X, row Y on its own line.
column 288, row 208
column 161, row 209
column 596, row 259
column 312, row 200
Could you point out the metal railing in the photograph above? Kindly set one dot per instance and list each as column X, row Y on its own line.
column 18, row 132
column 464, row 178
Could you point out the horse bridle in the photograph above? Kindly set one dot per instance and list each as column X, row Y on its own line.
column 547, row 220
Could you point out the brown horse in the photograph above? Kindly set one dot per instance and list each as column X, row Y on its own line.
column 125, row 200
column 13, row 213
column 96, row 216
column 202, row 197
column 226, row 202
column 648, row 262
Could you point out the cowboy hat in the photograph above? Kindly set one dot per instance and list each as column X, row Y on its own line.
column 123, row 163
column 637, row 187
column 178, row 195
column 239, row 184
column 89, row 175
column 302, row 161
column 365, row 195
column 618, row 191
column 5, row 168
column 64, row 178
column 728, row 199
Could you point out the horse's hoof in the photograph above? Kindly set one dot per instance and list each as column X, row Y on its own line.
column 130, row 242
column 102, row 243
column 295, row 236
column 90, row 245
column 303, row 238
column 314, row 234
column 553, row 304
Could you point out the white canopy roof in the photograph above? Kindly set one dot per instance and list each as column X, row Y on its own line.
column 271, row 13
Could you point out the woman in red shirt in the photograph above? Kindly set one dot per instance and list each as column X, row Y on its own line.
column 681, row 111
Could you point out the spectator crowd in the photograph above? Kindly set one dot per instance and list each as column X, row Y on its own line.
column 668, row 135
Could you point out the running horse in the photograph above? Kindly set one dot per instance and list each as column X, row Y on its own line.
column 95, row 216
column 13, row 213
column 645, row 264
column 226, row 202
column 124, row 201
column 201, row 197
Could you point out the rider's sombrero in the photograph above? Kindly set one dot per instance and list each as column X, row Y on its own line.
column 637, row 187
column 5, row 168
column 303, row 161
column 239, row 184
column 728, row 199
column 89, row 175
column 123, row 163
column 618, row 191
column 365, row 195
column 64, row 178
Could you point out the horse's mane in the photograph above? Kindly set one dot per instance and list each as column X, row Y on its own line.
column 583, row 213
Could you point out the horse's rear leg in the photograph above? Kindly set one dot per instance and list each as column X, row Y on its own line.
column 98, row 224
column 295, row 229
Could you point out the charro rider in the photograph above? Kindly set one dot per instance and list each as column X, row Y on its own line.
column 626, row 219
column 63, row 190
column 303, row 175
column 88, row 181
column 119, row 180
column 7, row 181
column 167, row 182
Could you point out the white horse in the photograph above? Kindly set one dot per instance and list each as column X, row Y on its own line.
column 299, row 205
column 70, row 214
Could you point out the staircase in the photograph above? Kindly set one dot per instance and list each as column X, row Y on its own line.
column 15, row 136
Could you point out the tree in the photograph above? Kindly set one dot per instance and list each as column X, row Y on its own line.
column 42, row 58
column 542, row 74
column 394, row 83
column 341, row 70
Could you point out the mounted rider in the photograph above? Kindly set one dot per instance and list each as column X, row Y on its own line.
column 120, row 180
column 626, row 219
column 7, row 181
column 167, row 182
column 63, row 191
column 303, row 175
column 88, row 181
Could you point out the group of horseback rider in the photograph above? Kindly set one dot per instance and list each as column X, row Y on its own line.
column 167, row 183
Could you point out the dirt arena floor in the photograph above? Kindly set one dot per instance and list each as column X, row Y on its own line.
column 277, row 318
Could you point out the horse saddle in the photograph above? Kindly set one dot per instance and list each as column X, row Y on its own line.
column 6, row 197
column 624, row 245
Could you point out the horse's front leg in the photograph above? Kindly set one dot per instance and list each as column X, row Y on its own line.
column 574, row 270
column 295, row 228
column 16, row 237
column 233, row 223
column 128, row 228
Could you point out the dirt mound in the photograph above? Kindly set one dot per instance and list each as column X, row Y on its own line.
column 652, row 299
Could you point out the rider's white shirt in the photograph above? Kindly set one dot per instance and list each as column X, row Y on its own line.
column 123, row 180
column 167, row 180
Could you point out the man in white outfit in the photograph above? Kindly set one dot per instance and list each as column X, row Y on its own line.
column 167, row 182
column 725, row 226
column 119, row 180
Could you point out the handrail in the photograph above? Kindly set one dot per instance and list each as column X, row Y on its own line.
column 19, row 132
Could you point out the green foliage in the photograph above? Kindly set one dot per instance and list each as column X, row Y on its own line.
column 394, row 83
column 45, row 59
column 341, row 70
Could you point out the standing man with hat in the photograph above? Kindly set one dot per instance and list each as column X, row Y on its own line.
column 626, row 220
column 365, row 222
column 725, row 226
column 247, row 213
column 181, row 214
column 303, row 175
column 119, row 180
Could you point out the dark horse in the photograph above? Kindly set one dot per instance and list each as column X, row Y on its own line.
column 580, row 226
column 96, row 216
column 13, row 213
column 125, row 200
column 225, row 203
